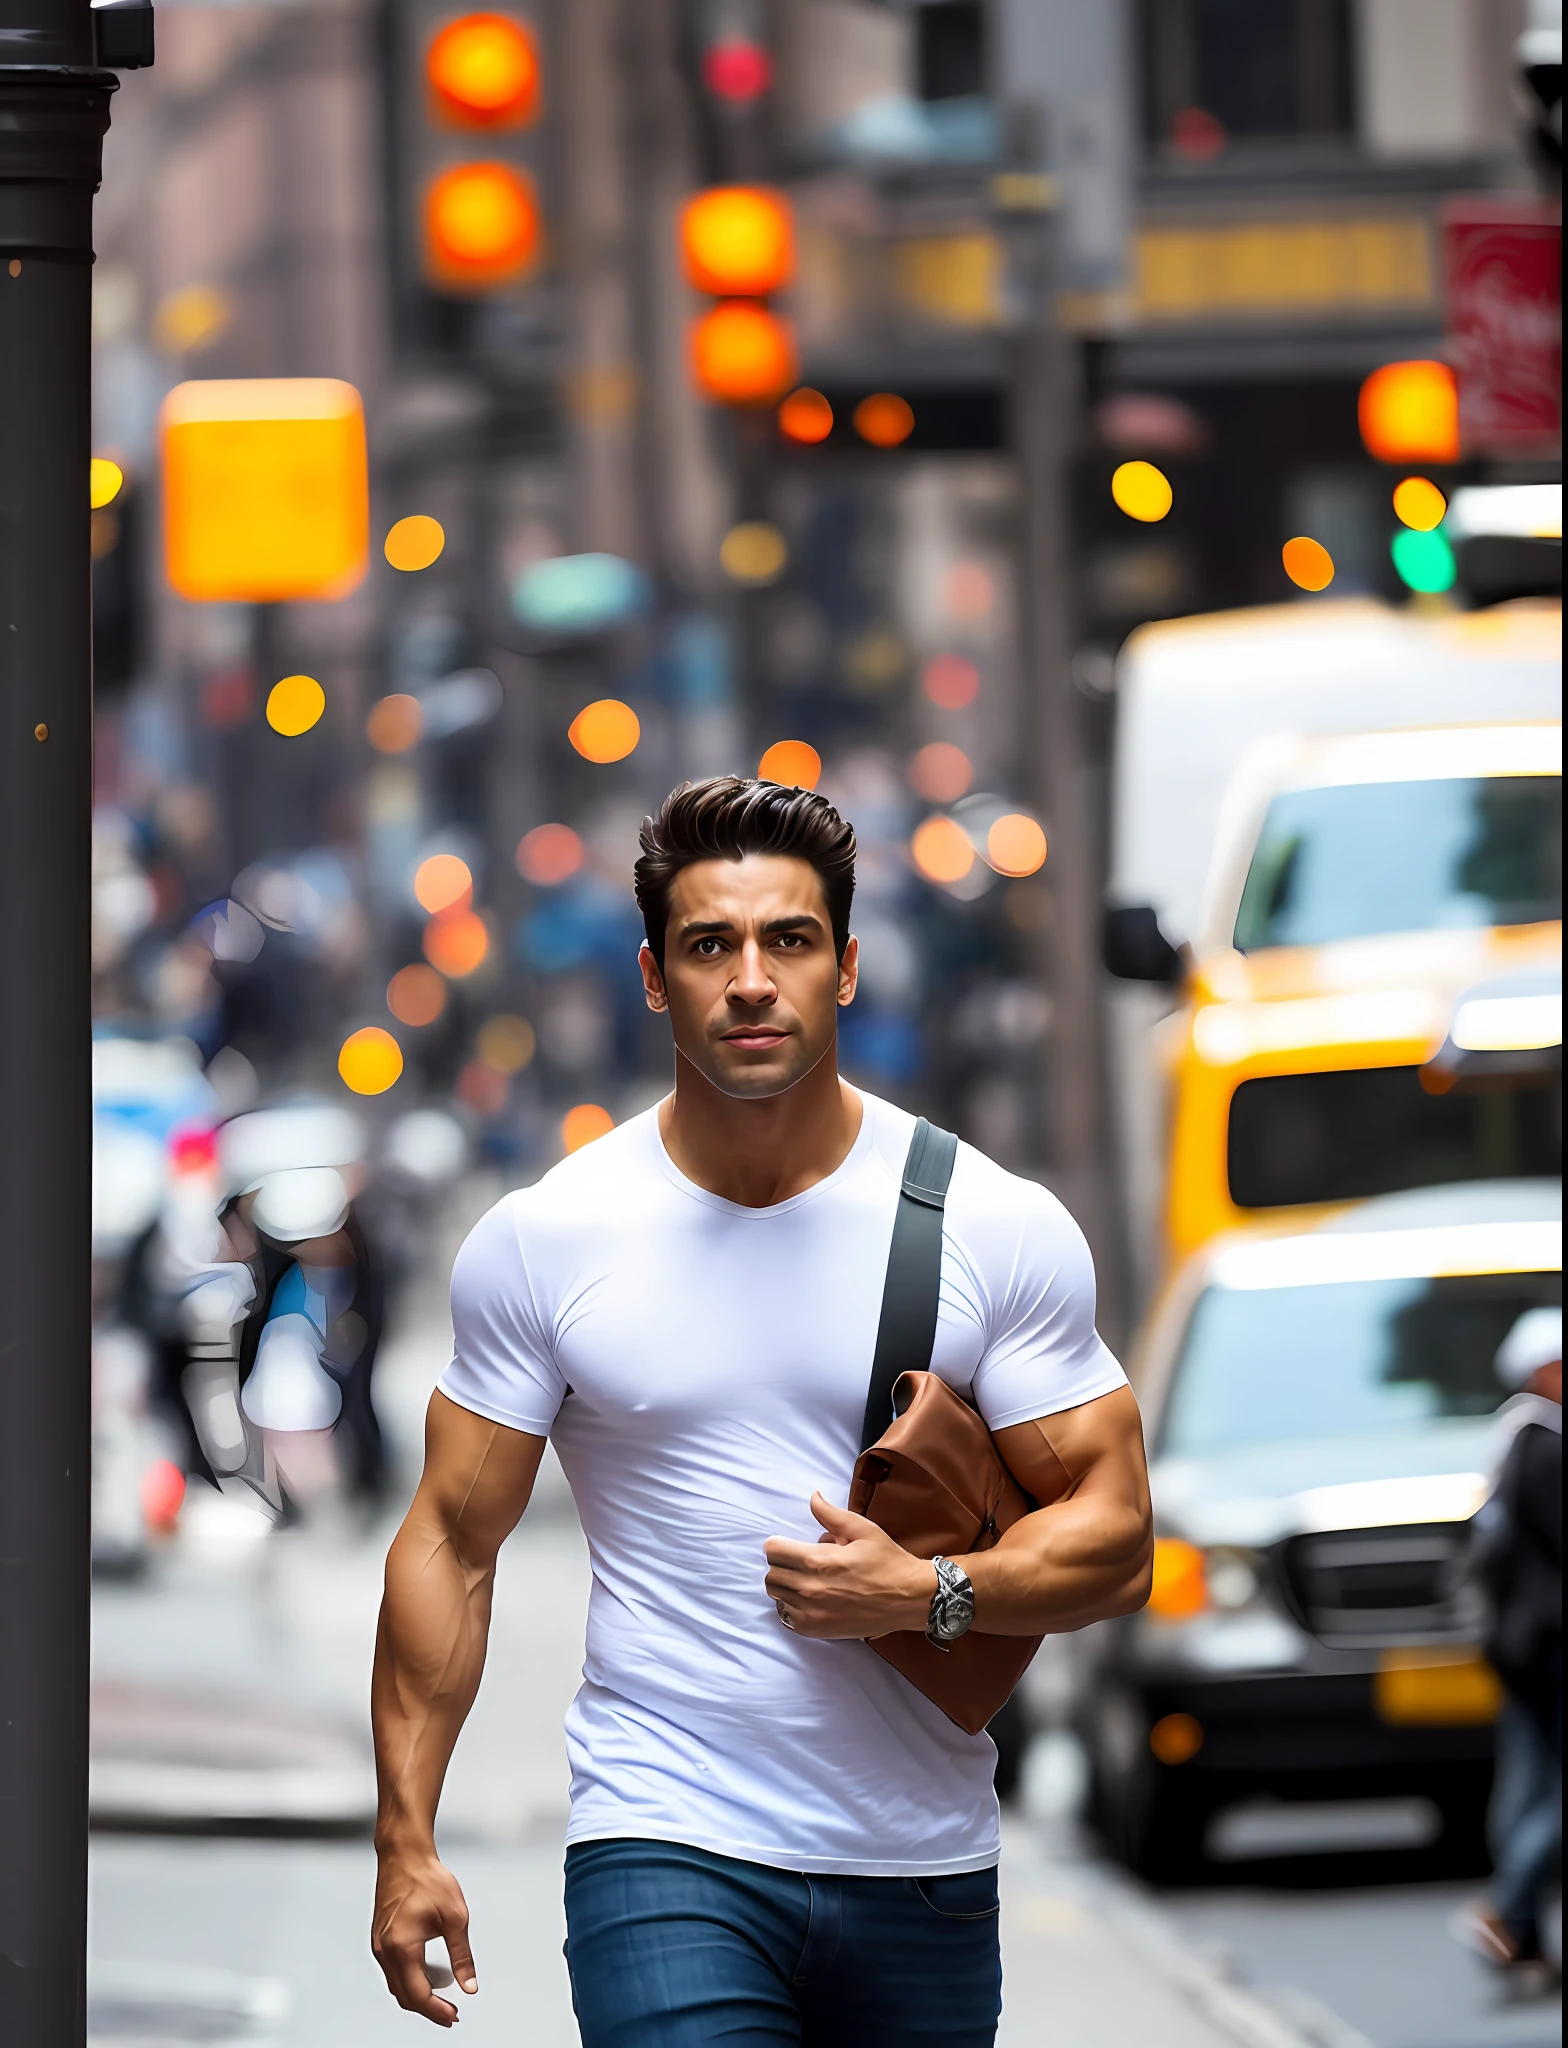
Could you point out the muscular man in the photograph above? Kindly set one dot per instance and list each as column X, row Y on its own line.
column 774, row 1837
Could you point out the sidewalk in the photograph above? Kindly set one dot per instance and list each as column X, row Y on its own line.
column 232, row 1683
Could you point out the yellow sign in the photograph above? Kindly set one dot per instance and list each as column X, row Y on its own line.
column 1436, row 1689
column 265, row 489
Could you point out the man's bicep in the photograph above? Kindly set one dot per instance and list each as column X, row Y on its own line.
column 1098, row 1442
column 479, row 1474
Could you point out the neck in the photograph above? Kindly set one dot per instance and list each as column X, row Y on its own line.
column 758, row 1152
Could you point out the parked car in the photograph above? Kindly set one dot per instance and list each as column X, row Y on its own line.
column 1318, row 1406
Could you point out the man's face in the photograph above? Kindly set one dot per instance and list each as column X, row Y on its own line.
column 750, row 980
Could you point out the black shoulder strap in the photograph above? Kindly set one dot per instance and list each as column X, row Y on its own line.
column 914, row 1271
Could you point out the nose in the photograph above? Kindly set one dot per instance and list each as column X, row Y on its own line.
column 751, row 982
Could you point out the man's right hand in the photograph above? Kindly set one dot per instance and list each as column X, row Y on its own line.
column 418, row 1899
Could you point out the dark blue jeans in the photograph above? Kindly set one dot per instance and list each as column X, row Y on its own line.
column 670, row 1947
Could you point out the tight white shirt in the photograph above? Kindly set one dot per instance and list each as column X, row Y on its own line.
column 701, row 1369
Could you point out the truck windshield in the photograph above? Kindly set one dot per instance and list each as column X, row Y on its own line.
column 1352, row 1358
column 1351, row 860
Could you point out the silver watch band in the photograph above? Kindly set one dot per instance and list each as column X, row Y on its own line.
column 952, row 1604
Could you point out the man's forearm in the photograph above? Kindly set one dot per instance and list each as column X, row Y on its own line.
column 1061, row 1568
column 430, row 1654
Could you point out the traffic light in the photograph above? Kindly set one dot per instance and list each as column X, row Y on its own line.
column 464, row 96
column 738, row 242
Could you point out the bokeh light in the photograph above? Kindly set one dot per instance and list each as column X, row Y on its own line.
column 1425, row 561
column 1418, row 503
column 506, row 1043
column 941, row 850
column 191, row 319
column 606, row 730
column 805, row 416
column 104, row 480
column 738, row 239
column 884, row 419
column 549, row 854
column 968, row 592
column 295, row 704
column 414, row 542
column 951, row 681
column 741, row 354
column 456, row 943
column 482, row 225
column 736, row 70
column 940, row 772
column 582, row 1124
column 1308, row 564
column 1142, row 491
column 1015, row 844
column 162, row 1494
column 580, row 593
column 1409, row 412
column 483, row 1089
column 416, row 995
column 443, row 882
column 483, row 72
column 754, row 552
column 793, row 763
column 394, row 724
column 370, row 1060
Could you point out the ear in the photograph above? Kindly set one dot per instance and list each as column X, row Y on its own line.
column 654, row 991
column 848, row 973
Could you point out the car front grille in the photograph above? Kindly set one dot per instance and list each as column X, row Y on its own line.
column 1361, row 1588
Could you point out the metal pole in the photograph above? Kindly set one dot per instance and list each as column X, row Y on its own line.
column 54, row 108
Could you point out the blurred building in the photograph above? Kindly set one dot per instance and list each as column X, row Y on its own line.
column 1177, row 229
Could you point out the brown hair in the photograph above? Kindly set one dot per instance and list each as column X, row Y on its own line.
column 728, row 817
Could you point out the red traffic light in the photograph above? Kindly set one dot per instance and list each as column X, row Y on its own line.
column 483, row 72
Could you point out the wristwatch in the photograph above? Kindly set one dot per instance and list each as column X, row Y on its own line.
column 952, row 1604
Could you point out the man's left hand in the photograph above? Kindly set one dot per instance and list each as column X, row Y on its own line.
column 854, row 1582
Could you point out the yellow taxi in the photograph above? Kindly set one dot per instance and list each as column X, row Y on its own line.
column 1374, row 996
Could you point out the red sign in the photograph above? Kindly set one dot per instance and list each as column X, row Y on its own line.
column 1502, row 265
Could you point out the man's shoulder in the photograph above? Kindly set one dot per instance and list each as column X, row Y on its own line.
column 982, row 1195
column 577, row 1199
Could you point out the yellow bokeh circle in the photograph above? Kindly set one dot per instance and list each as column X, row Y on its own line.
column 1142, row 491
column 1308, row 564
column 295, row 705
column 606, row 730
column 415, row 542
column 1419, row 503
column 506, row 1043
column 104, row 481
column 754, row 552
column 370, row 1060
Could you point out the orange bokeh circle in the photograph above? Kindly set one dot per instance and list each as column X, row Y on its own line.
column 1308, row 564
column 394, row 724
column 443, row 882
column 805, row 416
column 941, row 850
column 482, row 226
column 738, row 239
column 456, row 943
column 1015, row 845
column 793, row 763
column 416, row 995
column 606, row 730
column 940, row 772
column 483, row 72
column 884, row 419
column 741, row 354
column 582, row 1124
column 549, row 854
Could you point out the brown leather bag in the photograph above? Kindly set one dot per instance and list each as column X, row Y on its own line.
column 933, row 1477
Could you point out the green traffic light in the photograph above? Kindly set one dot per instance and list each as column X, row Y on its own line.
column 1425, row 561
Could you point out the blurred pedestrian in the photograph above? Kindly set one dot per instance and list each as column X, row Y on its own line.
column 774, row 1836
column 1518, row 1560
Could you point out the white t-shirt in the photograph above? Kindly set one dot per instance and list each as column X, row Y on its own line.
column 701, row 1369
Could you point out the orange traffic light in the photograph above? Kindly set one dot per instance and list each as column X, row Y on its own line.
column 265, row 490
column 1409, row 412
column 481, row 226
column 741, row 354
column 738, row 239
column 483, row 72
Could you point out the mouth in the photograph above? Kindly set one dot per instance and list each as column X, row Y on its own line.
column 755, row 1038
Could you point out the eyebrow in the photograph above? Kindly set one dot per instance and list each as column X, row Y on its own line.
column 717, row 927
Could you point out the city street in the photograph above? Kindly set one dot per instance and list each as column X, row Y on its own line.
column 257, row 1653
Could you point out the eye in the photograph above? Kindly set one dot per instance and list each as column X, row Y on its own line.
column 791, row 939
column 706, row 948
